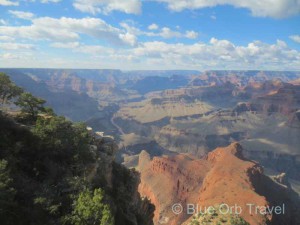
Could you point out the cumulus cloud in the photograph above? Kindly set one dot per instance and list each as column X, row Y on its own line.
column 16, row 46
column 128, row 38
column 295, row 38
column 260, row 8
column 8, row 3
column 107, row 6
column 82, row 48
column 70, row 45
column 6, row 38
column 168, row 33
column 164, row 32
column 153, row 26
column 191, row 34
column 22, row 14
column 222, row 54
column 217, row 54
column 67, row 29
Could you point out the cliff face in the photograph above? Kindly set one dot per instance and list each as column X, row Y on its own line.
column 240, row 78
column 121, row 184
column 229, row 181
column 286, row 100
column 68, row 81
column 273, row 98
column 224, row 176
column 277, row 161
column 169, row 180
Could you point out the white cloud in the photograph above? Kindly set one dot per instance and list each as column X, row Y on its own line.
column 70, row 45
column 16, row 46
column 217, row 54
column 67, row 29
column 21, row 14
column 82, row 48
column 8, row 56
column 49, row 1
column 2, row 22
column 104, row 52
column 191, row 34
column 295, row 38
column 260, row 8
column 153, row 26
column 107, row 6
column 168, row 33
column 6, row 38
column 8, row 3
column 130, row 28
column 21, row 58
column 221, row 54
column 128, row 38
column 165, row 32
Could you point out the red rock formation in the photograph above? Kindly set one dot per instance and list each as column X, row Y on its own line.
column 224, row 176
column 229, row 182
column 169, row 180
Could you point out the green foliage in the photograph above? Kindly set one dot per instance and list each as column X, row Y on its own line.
column 50, row 159
column 68, row 141
column 6, row 191
column 90, row 209
column 217, row 218
column 8, row 89
column 49, row 111
column 7, row 194
column 49, row 173
column 238, row 221
column 30, row 105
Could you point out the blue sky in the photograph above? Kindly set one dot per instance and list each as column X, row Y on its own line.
column 151, row 34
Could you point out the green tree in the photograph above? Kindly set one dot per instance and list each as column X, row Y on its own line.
column 90, row 209
column 30, row 105
column 6, row 194
column 66, row 141
column 8, row 89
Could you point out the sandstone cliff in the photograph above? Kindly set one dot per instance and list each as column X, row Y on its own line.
column 223, row 176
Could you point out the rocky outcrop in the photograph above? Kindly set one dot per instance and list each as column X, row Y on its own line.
column 224, row 176
column 169, row 180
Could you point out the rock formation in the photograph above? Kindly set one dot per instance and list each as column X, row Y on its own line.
column 224, row 176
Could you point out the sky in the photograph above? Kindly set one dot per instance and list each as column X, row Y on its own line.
column 151, row 34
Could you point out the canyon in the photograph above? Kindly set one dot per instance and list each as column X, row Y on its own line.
column 202, row 138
